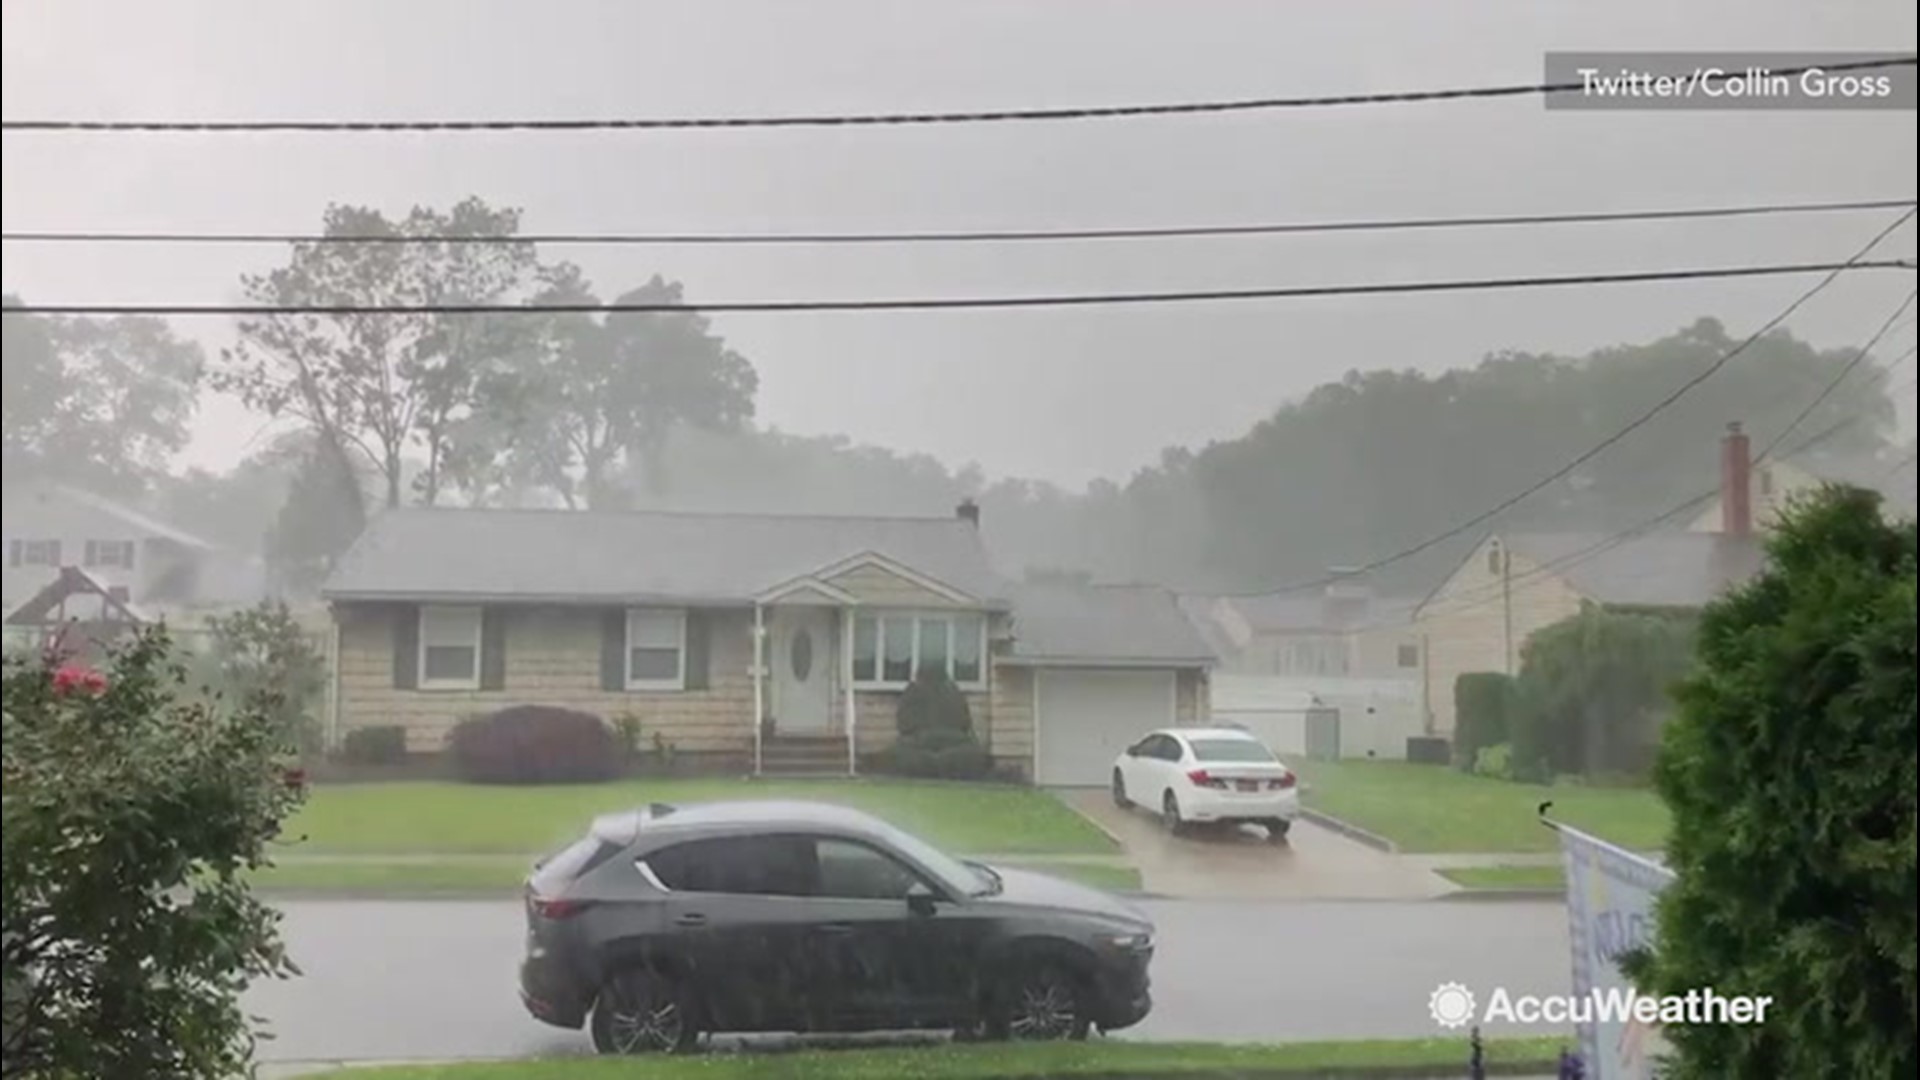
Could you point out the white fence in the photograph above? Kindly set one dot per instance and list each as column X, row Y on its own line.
column 1350, row 718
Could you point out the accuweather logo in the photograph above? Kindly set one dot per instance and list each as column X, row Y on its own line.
column 1452, row 1005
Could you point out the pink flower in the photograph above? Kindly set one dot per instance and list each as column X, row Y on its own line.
column 75, row 679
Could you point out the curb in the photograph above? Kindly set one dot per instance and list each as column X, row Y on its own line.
column 1113, row 838
column 1494, row 896
column 1350, row 831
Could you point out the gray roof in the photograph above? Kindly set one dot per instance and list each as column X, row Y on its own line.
column 1304, row 612
column 1667, row 569
column 642, row 556
column 1131, row 624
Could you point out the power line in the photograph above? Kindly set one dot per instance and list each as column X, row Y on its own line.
column 965, row 236
column 1486, row 594
column 971, row 302
column 1846, row 369
column 891, row 119
column 1597, row 449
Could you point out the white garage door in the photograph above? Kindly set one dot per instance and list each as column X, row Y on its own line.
column 1085, row 718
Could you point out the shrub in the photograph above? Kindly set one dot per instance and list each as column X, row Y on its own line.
column 264, row 649
column 1790, row 772
column 1482, row 709
column 936, row 734
column 534, row 744
column 128, row 928
column 1495, row 762
column 385, row 744
column 1594, row 691
column 932, row 703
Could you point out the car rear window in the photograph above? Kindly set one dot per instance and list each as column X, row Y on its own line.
column 1242, row 750
column 572, row 863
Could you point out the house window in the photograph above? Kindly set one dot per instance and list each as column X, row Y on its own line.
column 889, row 650
column 34, row 553
column 1409, row 656
column 1766, row 482
column 110, row 553
column 449, row 648
column 1494, row 562
column 656, row 649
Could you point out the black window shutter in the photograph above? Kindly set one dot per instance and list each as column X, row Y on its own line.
column 613, row 649
column 406, row 646
column 493, row 648
column 699, row 640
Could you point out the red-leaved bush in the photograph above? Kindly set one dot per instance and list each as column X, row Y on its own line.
column 534, row 744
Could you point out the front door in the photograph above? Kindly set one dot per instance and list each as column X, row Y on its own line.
column 801, row 660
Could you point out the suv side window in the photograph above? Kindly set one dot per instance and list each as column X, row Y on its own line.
column 854, row 871
column 742, row 865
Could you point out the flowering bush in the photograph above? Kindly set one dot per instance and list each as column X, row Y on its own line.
column 131, row 812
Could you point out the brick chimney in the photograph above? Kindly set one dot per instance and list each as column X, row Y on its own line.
column 1736, row 482
column 968, row 511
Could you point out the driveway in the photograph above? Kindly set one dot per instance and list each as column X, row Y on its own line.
column 1313, row 864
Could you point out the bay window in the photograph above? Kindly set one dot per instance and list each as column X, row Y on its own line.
column 889, row 650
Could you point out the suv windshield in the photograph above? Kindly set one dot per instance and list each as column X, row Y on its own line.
column 1242, row 750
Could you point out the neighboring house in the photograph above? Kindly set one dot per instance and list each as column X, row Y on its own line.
column 144, row 561
column 1341, row 657
column 1774, row 484
column 730, row 634
column 1516, row 584
column 1343, row 631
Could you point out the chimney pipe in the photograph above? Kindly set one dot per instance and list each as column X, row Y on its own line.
column 968, row 511
column 1736, row 482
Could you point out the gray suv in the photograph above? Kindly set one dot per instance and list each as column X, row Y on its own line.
column 669, row 922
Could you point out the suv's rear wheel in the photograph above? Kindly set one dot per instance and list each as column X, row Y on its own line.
column 1040, row 1003
column 643, row 1012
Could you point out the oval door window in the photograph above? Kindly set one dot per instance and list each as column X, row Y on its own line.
column 802, row 654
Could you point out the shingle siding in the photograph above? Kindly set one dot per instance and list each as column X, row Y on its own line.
column 552, row 658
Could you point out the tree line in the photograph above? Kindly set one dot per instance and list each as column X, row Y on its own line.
column 639, row 410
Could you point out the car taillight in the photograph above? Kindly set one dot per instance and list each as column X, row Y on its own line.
column 1202, row 778
column 1285, row 781
column 550, row 908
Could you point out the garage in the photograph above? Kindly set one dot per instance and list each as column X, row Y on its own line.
column 1084, row 717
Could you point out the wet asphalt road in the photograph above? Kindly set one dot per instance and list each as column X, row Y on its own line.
column 399, row 980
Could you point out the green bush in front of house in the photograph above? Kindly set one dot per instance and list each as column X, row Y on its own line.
column 535, row 744
column 1791, row 775
column 936, row 738
column 381, row 744
column 1594, row 691
column 1483, row 709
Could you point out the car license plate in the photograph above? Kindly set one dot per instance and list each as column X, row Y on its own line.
column 1248, row 785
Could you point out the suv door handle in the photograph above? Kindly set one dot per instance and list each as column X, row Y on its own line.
column 834, row 928
column 691, row 918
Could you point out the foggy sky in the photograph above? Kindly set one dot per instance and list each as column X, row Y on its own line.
column 1063, row 394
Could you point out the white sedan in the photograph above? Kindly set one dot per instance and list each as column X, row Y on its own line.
column 1211, row 775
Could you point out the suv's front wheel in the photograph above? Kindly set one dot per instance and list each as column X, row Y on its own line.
column 1039, row 1003
column 642, row 1012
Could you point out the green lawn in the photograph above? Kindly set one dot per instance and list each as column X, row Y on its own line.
column 1432, row 808
column 1110, row 1060
column 449, row 818
column 1507, row 877
column 502, row 876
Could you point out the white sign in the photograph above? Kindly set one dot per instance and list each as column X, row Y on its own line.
column 1610, row 895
